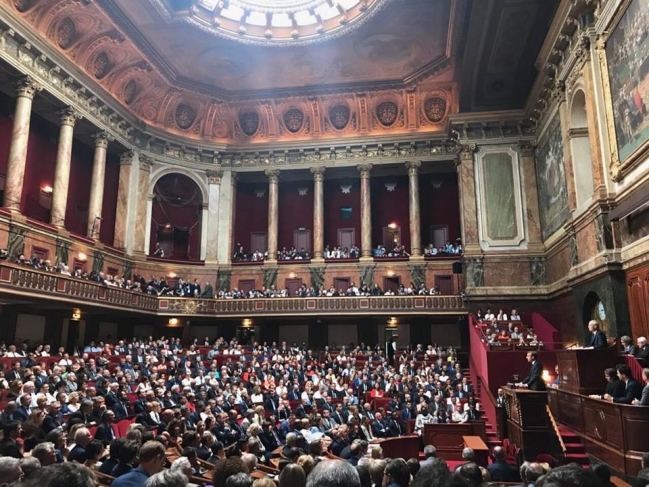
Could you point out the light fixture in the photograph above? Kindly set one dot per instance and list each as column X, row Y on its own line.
column 76, row 314
column 390, row 273
column 393, row 321
column 247, row 322
column 81, row 256
column 173, row 321
column 546, row 375
column 167, row 226
column 47, row 189
column 392, row 226
column 292, row 275
column 172, row 275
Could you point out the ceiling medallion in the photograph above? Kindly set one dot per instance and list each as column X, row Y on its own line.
column 185, row 116
column 387, row 113
column 249, row 122
column 101, row 66
column 276, row 22
column 24, row 5
column 435, row 109
column 130, row 90
column 66, row 33
column 293, row 119
column 339, row 116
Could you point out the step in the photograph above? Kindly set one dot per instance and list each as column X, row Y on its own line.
column 494, row 443
column 580, row 458
column 574, row 447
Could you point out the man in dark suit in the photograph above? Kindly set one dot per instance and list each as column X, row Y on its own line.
column 208, row 291
column 632, row 388
column 379, row 428
column 8, row 446
column 597, row 339
column 105, row 432
column 534, row 381
column 500, row 470
column 642, row 353
column 270, row 437
column 52, row 421
column 644, row 400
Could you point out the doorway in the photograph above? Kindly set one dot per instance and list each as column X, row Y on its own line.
column 302, row 240
column 293, row 286
column 438, row 235
column 258, row 241
column 445, row 285
column 391, row 237
column 341, row 283
column 391, row 284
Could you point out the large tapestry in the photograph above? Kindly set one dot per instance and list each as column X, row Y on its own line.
column 551, row 180
column 627, row 53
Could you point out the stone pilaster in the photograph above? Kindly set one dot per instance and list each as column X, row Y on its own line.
column 414, row 215
column 68, row 118
column 366, row 211
column 273, row 212
column 97, row 184
column 227, row 213
column 141, row 205
column 468, row 206
column 318, row 212
column 126, row 199
column 26, row 89
column 214, row 194
column 533, row 217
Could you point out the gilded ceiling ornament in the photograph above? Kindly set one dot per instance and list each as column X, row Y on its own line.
column 66, row 33
column 435, row 109
column 101, row 66
column 185, row 116
column 339, row 116
column 249, row 122
column 387, row 113
column 293, row 119
column 130, row 90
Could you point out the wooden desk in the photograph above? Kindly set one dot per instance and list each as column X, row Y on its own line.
column 449, row 438
column 578, row 373
column 480, row 449
column 616, row 434
column 528, row 422
column 401, row 447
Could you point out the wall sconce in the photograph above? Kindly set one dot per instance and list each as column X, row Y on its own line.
column 392, row 321
column 47, row 189
column 390, row 273
column 546, row 375
column 172, row 275
column 167, row 226
column 247, row 322
column 292, row 275
column 392, row 226
column 82, row 257
column 76, row 314
column 173, row 321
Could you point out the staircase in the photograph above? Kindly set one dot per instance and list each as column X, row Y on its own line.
column 492, row 436
column 575, row 451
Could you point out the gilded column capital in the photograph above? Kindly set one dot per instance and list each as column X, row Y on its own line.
column 527, row 148
column 273, row 175
column 413, row 167
column 365, row 170
column 214, row 176
column 68, row 116
column 102, row 138
column 126, row 158
column 318, row 173
column 26, row 87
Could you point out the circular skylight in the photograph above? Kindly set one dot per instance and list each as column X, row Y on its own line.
column 281, row 22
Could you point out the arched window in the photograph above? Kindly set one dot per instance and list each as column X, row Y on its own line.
column 580, row 149
column 176, row 218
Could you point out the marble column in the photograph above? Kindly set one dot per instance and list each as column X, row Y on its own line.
column 126, row 200
column 366, row 210
column 227, row 212
column 97, row 184
column 531, row 195
column 414, row 216
column 318, row 212
column 26, row 88
column 142, row 213
column 212, row 220
column 273, row 212
column 67, row 117
column 468, row 206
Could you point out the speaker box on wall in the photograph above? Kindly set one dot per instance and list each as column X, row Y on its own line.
column 457, row 267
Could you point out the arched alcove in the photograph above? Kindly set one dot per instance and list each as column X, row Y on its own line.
column 580, row 148
column 176, row 218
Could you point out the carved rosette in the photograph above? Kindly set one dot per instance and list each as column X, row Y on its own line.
column 387, row 113
column 339, row 116
column 185, row 116
column 249, row 122
column 435, row 109
column 101, row 65
column 68, row 116
column 294, row 120
column 26, row 87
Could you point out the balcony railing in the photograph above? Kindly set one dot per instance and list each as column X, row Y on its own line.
column 25, row 282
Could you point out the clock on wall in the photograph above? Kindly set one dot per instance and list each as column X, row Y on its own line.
column 601, row 311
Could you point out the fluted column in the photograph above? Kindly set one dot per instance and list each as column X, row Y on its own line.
column 415, row 219
column 318, row 211
column 212, row 220
column 366, row 210
column 97, row 184
column 68, row 118
column 26, row 88
column 273, row 212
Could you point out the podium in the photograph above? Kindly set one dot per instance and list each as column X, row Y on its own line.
column 582, row 370
column 528, row 422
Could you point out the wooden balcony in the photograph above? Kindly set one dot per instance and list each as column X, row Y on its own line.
column 28, row 284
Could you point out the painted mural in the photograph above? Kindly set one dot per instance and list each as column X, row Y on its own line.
column 551, row 178
column 627, row 52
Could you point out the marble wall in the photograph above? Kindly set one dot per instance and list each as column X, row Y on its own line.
column 551, row 179
column 499, row 196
